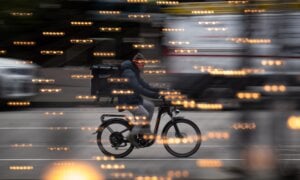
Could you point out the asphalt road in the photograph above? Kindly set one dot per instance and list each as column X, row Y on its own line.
column 37, row 138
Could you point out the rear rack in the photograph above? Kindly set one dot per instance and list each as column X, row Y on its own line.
column 102, row 118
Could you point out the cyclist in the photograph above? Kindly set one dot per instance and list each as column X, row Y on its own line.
column 130, row 69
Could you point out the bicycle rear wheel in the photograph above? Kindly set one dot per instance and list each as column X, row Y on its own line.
column 181, row 137
column 112, row 138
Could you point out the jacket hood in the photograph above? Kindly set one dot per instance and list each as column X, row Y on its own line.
column 128, row 65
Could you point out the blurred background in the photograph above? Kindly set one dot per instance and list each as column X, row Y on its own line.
column 236, row 63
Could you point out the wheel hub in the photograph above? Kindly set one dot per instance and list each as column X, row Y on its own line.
column 116, row 139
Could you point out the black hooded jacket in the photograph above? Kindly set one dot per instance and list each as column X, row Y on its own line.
column 130, row 71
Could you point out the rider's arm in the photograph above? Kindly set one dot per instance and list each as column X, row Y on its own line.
column 137, row 86
column 147, row 86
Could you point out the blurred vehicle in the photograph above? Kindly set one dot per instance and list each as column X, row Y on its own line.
column 16, row 79
column 222, row 54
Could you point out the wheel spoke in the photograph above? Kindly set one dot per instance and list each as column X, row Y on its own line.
column 110, row 130
column 124, row 130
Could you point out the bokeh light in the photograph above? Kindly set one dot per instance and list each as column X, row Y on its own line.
column 72, row 171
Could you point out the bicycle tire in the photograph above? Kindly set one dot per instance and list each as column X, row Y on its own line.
column 169, row 149
column 99, row 135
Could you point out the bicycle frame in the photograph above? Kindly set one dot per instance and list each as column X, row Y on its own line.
column 162, row 109
column 117, row 139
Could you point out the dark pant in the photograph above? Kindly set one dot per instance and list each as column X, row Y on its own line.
column 146, row 109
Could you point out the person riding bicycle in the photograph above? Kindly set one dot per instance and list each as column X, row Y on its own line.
column 130, row 69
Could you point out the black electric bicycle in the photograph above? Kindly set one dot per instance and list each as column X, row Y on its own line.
column 180, row 137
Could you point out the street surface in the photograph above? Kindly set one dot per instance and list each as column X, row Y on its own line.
column 37, row 138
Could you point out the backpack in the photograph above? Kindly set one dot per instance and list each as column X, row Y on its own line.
column 104, row 80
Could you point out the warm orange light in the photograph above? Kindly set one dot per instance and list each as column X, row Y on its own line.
column 209, row 106
column 53, row 33
column 143, row 46
column 18, row 103
column 21, row 145
column 178, row 173
column 85, row 97
column 81, row 23
column 166, row 93
column 167, row 2
column 2, row 51
column 294, row 122
column 237, row 2
column 122, row 92
column 152, row 178
column 109, row 12
column 218, row 135
column 275, row 88
column 24, row 43
column 51, row 52
column 72, row 171
column 172, row 29
column 155, row 71
column 203, row 12
column 185, row 51
column 254, row 10
column 117, row 80
column 179, row 42
column 46, row 81
column 250, row 41
column 81, row 41
column 21, row 168
column 82, row 76
column 110, row 29
column 104, row 54
column 21, row 14
column 248, row 95
column 50, row 90
column 209, row 163
column 126, row 107
column 244, row 126
column 104, row 158
column 139, row 16
column 137, row 1
column 122, row 175
column 54, row 113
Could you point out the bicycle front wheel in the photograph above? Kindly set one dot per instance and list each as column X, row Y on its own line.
column 181, row 137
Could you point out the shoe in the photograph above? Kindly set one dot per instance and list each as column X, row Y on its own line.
column 146, row 130
column 132, row 137
column 137, row 134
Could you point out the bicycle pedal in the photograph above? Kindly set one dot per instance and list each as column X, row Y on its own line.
column 133, row 139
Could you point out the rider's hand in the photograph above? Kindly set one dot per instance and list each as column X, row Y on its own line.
column 162, row 98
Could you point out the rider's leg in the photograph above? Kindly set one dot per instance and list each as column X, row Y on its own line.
column 149, row 106
column 140, row 111
column 137, row 129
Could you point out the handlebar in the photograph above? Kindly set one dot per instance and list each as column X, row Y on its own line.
column 170, row 108
column 163, row 99
column 165, row 102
